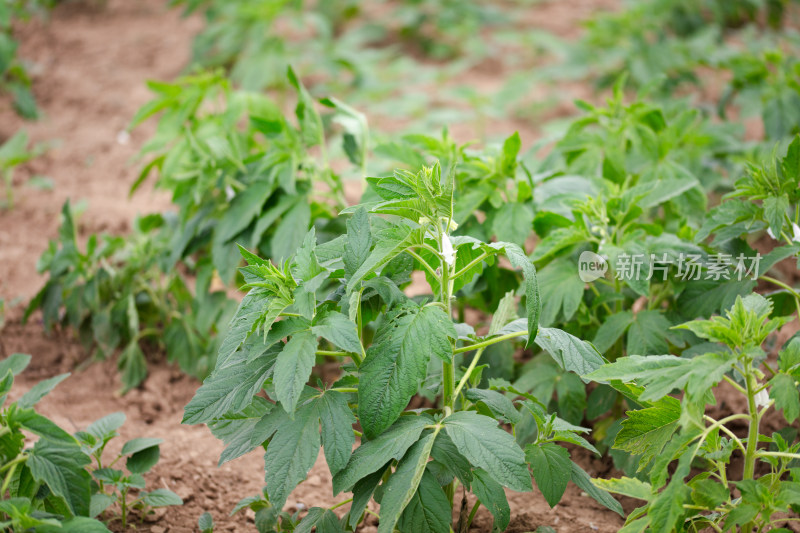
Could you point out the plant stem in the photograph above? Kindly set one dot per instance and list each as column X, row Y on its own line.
column 469, row 370
column 495, row 340
column 752, row 434
column 123, row 504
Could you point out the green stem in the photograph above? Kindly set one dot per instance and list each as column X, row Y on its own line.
column 473, row 513
column 785, row 287
column 752, row 433
column 471, row 264
column 468, row 372
column 489, row 342
column 345, row 502
column 333, row 354
column 124, row 506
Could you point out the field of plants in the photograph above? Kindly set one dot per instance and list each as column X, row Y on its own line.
column 418, row 266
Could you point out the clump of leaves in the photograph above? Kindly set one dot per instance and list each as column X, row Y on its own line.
column 239, row 171
column 121, row 293
column 663, row 430
column 44, row 486
column 14, row 152
column 348, row 293
column 51, row 485
column 114, row 488
column 14, row 77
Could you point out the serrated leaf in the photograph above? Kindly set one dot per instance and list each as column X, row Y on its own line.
column 402, row 485
column 513, row 222
column 291, row 453
column 293, row 368
column 551, row 469
column 107, row 426
column 611, row 330
column 373, row 454
column 584, row 482
column 493, row 497
column 626, row 486
column 231, row 388
column 339, row 330
column 786, row 395
column 487, row 446
column 237, row 430
column 337, row 429
column 646, row 431
column 499, row 404
column 561, row 291
column 647, row 334
column 666, row 511
column 398, row 360
column 428, row 511
column 390, row 242
column 568, row 351
column 359, row 242
column 60, row 466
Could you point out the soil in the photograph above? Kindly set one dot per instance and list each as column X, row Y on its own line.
column 90, row 64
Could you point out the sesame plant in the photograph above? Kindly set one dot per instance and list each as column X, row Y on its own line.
column 120, row 297
column 51, row 484
column 344, row 299
column 13, row 152
column 239, row 171
column 705, row 490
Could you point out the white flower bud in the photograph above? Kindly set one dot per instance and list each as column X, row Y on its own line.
column 795, row 232
column 448, row 253
column 762, row 398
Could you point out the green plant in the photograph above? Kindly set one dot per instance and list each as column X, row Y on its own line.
column 348, row 292
column 45, row 486
column 14, row 77
column 239, row 171
column 664, row 430
column 14, row 152
column 205, row 523
column 113, row 486
column 122, row 293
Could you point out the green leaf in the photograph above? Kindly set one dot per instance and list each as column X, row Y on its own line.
column 428, row 511
column 16, row 363
column 293, row 368
column 238, row 430
column 359, row 242
column 775, row 208
column 487, row 446
column 709, row 493
column 373, row 454
column 206, row 523
column 77, row 524
column 499, row 404
column 568, row 351
column 493, row 497
column 551, row 469
column 290, row 231
column 362, row 494
column 626, row 486
column 446, row 453
column 230, row 388
column 291, row 453
column 60, row 465
column 785, row 393
column 398, row 360
column 99, row 503
column 143, row 460
column 139, row 444
column 666, row 511
column 533, row 305
column 402, row 485
column 561, row 291
column 647, row 334
column 243, row 209
column 107, row 426
column 161, row 498
column 390, row 243
column 611, row 330
column 337, row 429
column 132, row 366
column 337, row 329
column 513, row 222
column 584, row 482
column 646, row 431
column 39, row 391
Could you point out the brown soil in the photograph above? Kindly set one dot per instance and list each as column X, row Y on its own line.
column 91, row 62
